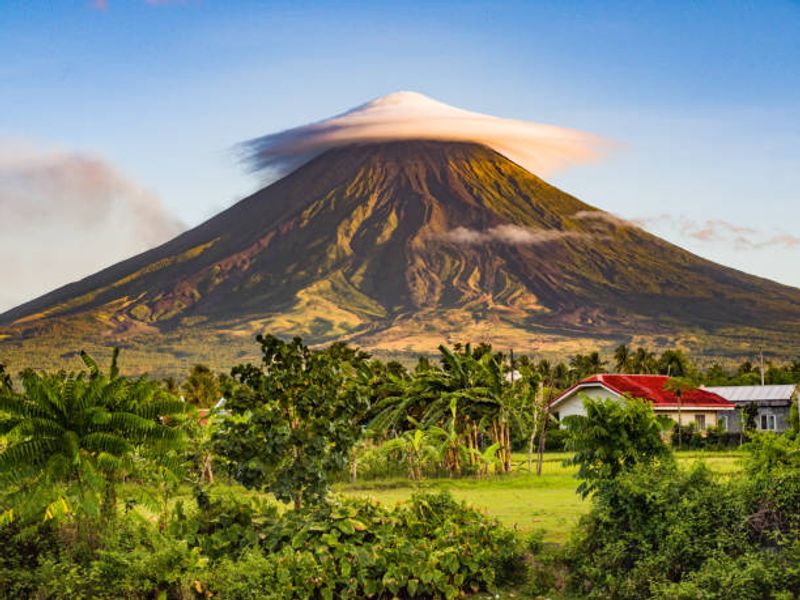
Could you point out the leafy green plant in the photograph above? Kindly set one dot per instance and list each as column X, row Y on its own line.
column 72, row 437
column 294, row 419
column 430, row 547
column 202, row 387
column 613, row 436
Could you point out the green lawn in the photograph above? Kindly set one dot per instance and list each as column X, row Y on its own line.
column 523, row 500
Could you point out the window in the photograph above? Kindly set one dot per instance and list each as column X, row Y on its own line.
column 768, row 422
column 722, row 421
column 764, row 422
column 700, row 421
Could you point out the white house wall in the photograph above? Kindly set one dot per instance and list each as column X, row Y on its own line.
column 573, row 405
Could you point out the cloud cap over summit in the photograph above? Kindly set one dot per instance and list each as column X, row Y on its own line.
column 538, row 148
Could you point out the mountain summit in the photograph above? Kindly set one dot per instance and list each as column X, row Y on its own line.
column 401, row 246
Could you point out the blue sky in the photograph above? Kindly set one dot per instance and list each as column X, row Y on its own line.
column 701, row 98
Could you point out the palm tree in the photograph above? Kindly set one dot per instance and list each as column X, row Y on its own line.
column 679, row 386
column 643, row 362
column 595, row 363
column 72, row 437
column 674, row 363
column 560, row 376
column 622, row 358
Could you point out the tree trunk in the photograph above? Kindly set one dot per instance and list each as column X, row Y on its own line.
column 508, row 448
column 542, row 442
column 207, row 470
column 109, row 508
column 531, row 441
column 501, row 434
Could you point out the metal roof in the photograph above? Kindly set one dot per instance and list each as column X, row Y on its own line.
column 754, row 393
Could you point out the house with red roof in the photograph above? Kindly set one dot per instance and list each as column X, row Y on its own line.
column 699, row 406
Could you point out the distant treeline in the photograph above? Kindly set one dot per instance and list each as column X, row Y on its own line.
column 203, row 387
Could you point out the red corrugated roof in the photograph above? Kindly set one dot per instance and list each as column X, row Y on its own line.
column 651, row 387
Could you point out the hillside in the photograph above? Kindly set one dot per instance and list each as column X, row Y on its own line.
column 400, row 246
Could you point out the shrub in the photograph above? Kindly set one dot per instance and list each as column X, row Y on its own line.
column 753, row 576
column 227, row 525
column 430, row 547
column 133, row 560
column 612, row 437
column 653, row 527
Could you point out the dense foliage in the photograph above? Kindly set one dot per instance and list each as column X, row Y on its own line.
column 293, row 419
column 658, row 531
column 116, row 487
column 71, row 438
column 233, row 548
column 613, row 437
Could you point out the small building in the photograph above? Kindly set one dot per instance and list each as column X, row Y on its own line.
column 699, row 406
column 770, row 405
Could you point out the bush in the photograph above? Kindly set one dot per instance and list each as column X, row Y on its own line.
column 653, row 527
column 713, row 438
column 225, row 526
column 432, row 546
column 133, row 560
column 659, row 531
column 753, row 576
column 612, row 437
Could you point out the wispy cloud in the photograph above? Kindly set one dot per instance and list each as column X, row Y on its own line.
column 508, row 234
column 601, row 216
column 722, row 232
column 64, row 215
column 407, row 115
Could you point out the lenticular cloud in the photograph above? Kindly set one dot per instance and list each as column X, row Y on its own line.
column 539, row 148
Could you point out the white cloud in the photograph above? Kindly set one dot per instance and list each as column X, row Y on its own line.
column 539, row 148
column 508, row 234
column 65, row 215
column 601, row 216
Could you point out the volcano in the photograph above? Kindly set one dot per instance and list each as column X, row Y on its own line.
column 401, row 246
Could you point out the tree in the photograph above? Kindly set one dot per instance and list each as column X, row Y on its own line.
column 622, row 358
column 5, row 380
column 679, row 385
column 612, row 437
column 202, row 387
column 417, row 446
column 643, row 362
column 71, row 438
column 489, row 400
column 794, row 418
column 293, row 419
column 674, row 363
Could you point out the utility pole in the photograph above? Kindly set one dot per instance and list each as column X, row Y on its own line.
column 761, row 353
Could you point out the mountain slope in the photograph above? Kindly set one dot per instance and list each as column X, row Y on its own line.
column 401, row 245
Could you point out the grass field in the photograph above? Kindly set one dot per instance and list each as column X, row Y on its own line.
column 523, row 500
